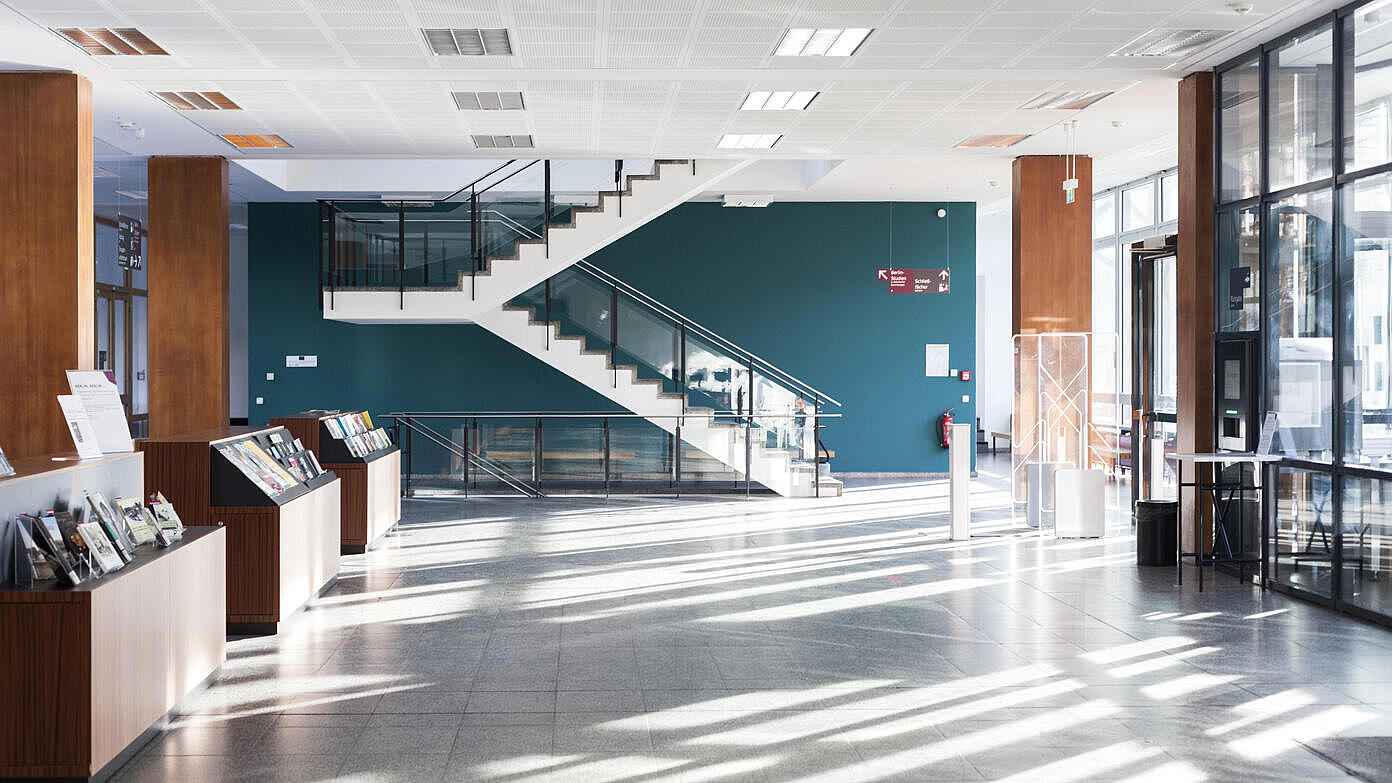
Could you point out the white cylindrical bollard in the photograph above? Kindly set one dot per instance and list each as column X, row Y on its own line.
column 959, row 453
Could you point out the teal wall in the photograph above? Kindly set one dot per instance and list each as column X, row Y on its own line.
column 793, row 283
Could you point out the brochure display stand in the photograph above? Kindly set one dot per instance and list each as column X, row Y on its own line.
column 282, row 519
column 90, row 672
column 371, row 501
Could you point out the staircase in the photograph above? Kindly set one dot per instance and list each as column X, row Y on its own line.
column 507, row 252
column 719, row 399
column 520, row 231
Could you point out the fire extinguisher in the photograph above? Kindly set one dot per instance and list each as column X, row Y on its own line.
column 944, row 426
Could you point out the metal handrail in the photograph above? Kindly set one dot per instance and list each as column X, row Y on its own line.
column 488, row 466
column 679, row 319
column 599, row 415
column 504, row 179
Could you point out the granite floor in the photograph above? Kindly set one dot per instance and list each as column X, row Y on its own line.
column 705, row 639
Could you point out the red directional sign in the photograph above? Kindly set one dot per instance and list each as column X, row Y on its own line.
column 915, row 281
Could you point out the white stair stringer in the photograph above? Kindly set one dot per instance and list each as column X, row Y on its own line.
column 721, row 439
column 674, row 183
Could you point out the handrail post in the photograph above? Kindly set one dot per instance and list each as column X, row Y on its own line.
column 548, row 313
column 546, row 208
column 478, row 446
column 401, row 254
column 467, row 458
column 425, row 254
column 618, row 183
column 333, row 254
column 681, row 361
column 606, row 456
column 676, row 459
column 473, row 241
column 748, row 450
column 319, row 289
column 614, row 332
column 408, row 450
column 536, row 457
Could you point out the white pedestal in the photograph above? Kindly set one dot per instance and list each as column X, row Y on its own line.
column 959, row 453
column 1080, row 504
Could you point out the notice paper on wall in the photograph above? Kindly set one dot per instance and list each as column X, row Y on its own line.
column 102, row 401
column 936, row 360
column 80, row 426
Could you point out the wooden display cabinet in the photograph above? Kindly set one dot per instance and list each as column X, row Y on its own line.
column 371, row 500
column 282, row 549
column 88, row 674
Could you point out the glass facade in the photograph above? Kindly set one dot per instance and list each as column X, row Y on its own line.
column 1304, row 260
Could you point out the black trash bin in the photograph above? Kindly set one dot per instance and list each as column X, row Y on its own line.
column 1157, row 523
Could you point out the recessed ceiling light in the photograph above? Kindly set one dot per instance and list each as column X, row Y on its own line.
column 190, row 100
column 138, row 195
column 110, row 41
column 994, row 141
column 749, row 141
column 253, row 141
column 822, row 41
column 504, row 141
column 1169, row 43
column 488, row 101
column 780, row 100
column 472, row 41
column 1067, row 100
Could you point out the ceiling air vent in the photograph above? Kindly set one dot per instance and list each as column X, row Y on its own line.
column 472, row 41
column 1071, row 100
column 488, row 101
column 514, row 141
column 197, row 101
column 110, row 41
column 254, row 141
column 992, row 141
column 1170, row 43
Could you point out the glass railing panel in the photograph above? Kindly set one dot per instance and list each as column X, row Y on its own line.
column 509, row 443
column 783, row 418
column 572, row 452
column 437, row 244
column 580, row 306
column 649, row 341
column 640, row 454
column 365, row 241
column 714, row 378
column 700, row 470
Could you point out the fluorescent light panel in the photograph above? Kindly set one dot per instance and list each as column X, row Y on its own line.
column 822, row 41
column 992, row 141
column 469, row 42
column 105, row 41
column 749, row 141
column 1170, row 43
column 189, row 100
column 779, row 100
column 504, row 141
column 1069, row 100
column 488, row 101
column 254, row 141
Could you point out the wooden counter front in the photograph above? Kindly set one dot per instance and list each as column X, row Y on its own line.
column 86, row 671
column 278, row 556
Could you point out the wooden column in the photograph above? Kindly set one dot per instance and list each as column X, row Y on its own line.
column 46, row 262
column 1052, row 252
column 1194, row 281
column 187, row 273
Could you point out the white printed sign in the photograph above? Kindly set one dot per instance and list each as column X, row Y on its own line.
column 103, row 403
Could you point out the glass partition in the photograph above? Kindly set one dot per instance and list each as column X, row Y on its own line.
column 1301, row 323
column 1368, row 86
column 1300, row 76
column 1239, row 270
column 1367, row 301
column 1302, row 542
column 1239, row 108
column 1366, row 524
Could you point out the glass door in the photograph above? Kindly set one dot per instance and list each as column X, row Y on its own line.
column 1154, row 370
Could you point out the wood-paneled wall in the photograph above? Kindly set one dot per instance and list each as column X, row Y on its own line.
column 188, row 315
column 1052, row 247
column 1194, row 280
column 46, row 266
